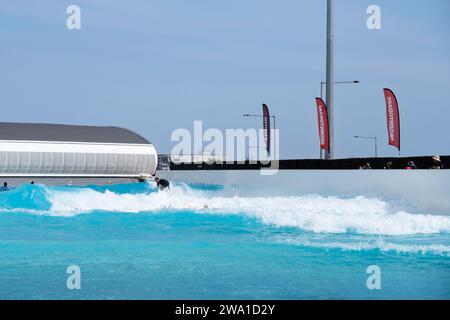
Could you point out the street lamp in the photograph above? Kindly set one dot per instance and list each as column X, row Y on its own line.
column 372, row 138
column 260, row 116
column 322, row 83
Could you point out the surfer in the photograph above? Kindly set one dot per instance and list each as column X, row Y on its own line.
column 162, row 183
column 5, row 187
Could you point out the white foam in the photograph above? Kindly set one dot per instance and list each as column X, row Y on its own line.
column 379, row 244
column 311, row 213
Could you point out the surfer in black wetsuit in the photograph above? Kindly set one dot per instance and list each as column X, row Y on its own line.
column 5, row 187
column 162, row 183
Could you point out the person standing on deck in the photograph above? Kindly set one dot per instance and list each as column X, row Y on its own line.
column 437, row 164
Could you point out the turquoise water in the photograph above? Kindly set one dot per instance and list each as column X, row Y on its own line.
column 134, row 242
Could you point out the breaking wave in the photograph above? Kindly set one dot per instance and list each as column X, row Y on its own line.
column 312, row 213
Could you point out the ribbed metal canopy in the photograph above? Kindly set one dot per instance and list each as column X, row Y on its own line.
column 68, row 133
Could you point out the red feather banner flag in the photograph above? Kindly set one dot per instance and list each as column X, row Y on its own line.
column 393, row 118
column 266, row 126
column 322, row 117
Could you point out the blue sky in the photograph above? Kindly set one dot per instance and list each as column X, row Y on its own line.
column 154, row 66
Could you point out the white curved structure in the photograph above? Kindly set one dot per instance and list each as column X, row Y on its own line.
column 67, row 154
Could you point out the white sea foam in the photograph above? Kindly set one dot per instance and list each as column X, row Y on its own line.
column 311, row 213
column 379, row 244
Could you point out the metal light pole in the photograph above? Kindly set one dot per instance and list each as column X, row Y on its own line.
column 330, row 78
column 375, row 141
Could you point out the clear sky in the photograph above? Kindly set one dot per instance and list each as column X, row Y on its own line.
column 154, row 66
